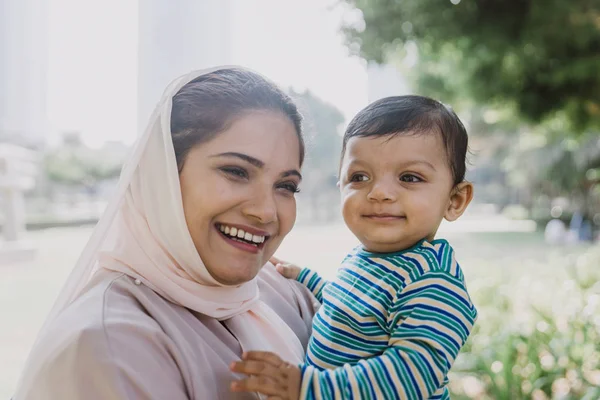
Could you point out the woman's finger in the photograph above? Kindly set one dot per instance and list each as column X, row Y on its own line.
column 260, row 384
column 251, row 367
column 265, row 356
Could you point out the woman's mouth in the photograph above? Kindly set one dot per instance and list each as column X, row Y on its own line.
column 249, row 240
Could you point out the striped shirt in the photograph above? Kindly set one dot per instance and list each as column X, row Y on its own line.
column 390, row 325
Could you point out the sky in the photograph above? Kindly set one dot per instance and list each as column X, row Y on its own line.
column 92, row 75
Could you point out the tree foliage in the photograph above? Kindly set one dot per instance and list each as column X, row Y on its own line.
column 322, row 122
column 538, row 57
column 71, row 170
column 74, row 164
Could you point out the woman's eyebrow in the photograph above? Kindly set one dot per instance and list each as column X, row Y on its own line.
column 292, row 172
column 251, row 160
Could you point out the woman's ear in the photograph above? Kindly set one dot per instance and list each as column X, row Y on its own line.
column 460, row 197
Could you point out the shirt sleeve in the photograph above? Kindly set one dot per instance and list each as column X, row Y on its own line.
column 430, row 322
column 313, row 282
column 122, row 361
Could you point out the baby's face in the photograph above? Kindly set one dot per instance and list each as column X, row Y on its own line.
column 395, row 189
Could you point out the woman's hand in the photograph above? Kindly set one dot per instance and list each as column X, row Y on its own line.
column 286, row 269
column 267, row 374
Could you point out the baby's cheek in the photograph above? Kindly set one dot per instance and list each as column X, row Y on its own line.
column 351, row 201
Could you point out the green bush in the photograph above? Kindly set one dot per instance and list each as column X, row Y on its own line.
column 537, row 337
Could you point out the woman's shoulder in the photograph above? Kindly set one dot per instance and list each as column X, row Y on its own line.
column 109, row 300
column 109, row 308
column 107, row 339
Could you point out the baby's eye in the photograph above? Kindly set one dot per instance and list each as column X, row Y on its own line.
column 410, row 178
column 359, row 178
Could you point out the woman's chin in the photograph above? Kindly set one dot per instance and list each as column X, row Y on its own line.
column 236, row 276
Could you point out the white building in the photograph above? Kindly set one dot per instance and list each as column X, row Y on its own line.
column 23, row 69
column 176, row 37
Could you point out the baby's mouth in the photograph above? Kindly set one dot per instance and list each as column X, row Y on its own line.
column 384, row 216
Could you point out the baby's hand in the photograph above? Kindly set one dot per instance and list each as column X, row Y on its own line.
column 286, row 269
column 267, row 374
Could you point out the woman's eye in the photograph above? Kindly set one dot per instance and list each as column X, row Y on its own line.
column 359, row 178
column 410, row 178
column 290, row 187
column 235, row 172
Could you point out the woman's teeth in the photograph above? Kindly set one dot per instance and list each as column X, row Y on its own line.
column 240, row 234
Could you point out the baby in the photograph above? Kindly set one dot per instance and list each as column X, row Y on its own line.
column 393, row 321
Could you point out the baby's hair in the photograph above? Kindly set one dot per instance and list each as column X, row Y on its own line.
column 413, row 115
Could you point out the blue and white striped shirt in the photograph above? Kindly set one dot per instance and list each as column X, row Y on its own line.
column 390, row 325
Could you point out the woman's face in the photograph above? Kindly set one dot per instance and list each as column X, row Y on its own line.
column 238, row 193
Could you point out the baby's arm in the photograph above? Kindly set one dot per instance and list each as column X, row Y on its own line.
column 429, row 324
column 305, row 276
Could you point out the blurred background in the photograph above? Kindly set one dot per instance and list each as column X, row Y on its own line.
column 79, row 79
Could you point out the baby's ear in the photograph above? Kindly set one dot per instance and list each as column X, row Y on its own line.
column 460, row 197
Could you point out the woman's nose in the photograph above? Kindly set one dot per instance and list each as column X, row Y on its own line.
column 261, row 208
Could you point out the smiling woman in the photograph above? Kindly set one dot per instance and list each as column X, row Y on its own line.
column 175, row 282
column 253, row 189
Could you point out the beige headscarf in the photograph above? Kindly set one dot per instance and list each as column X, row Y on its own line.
column 143, row 233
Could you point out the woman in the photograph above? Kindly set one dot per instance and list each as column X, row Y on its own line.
column 173, row 286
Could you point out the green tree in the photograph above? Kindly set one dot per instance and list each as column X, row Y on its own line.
column 539, row 59
column 74, row 164
column 532, row 168
column 322, row 124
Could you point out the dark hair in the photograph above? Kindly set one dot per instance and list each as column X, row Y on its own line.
column 209, row 104
column 416, row 115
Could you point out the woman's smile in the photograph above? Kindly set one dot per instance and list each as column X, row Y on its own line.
column 242, row 237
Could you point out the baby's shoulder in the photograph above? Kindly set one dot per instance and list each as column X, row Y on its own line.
column 429, row 257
